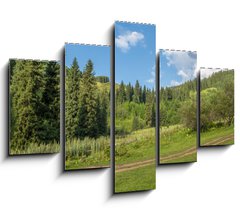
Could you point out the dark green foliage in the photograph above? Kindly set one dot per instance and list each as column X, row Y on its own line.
column 137, row 93
column 49, row 129
column 136, row 110
column 73, row 75
column 217, row 100
column 121, row 93
column 102, row 79
column 34, row 101
column 87, row 124
column 88, row 104
column 174, row 102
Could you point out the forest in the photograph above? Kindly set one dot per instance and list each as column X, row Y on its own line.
column 87, row 118
column 34, row 107
column 135, row 137
column 178, row 123
column 217, row 109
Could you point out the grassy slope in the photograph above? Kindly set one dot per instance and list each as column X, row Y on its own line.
column 176, row 139
column 137, row 146
column 216, row 133
column 36, row 149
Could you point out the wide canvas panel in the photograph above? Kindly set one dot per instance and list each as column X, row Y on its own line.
column 135, row 102
column 216, row 107
column 34, row 102
column 178, row 106
column 87, row 106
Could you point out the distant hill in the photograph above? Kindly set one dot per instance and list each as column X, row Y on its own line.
column 217, row 79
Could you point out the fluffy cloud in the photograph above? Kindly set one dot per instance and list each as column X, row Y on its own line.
column 206, row 72
column 184, row 62
column 175, row 83
column 152, row 79
column 128, row 40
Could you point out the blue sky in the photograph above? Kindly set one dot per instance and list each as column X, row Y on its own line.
column 135, row 51
column 177, row 67
column 100, row 55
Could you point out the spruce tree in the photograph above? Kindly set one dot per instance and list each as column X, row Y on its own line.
column 88, row 101
column 26, row 91
column 73, row 76
column 136, row 96
column 50, row 128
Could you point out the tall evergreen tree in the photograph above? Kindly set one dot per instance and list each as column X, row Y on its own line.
column 136, row 96
column 121, row 94
column 72, row 99
column 129, row 93
column 88, row 101
column 26, row 91
column 50, row 110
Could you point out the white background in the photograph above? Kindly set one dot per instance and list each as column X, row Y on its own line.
column 37, row 186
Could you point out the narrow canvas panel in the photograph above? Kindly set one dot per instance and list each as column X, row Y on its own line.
column 178, row 106
column 34, row 102
column 216, row 107
column 87, row 106
column 135, row 103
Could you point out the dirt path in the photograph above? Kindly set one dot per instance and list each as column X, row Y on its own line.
column 134, row 165
column 178, row 155
column 219, row 141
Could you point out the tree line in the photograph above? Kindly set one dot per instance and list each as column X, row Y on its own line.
column 178, row 104
column 217, row 100
column 34, row 102
column 135, row 105
column 86, row 106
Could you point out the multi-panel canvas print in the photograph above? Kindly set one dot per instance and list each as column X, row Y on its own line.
column 216, row 107
column 135, row 111
column 178, row 106
column 87, row 106
column 34, row 104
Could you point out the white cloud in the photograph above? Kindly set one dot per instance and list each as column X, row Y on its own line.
column 183, row 74
column 152, row 79
column 184, row 62
column 206, row 72
column 128, row 40
column 175, row 83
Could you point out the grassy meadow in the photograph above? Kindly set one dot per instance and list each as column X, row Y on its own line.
column 135, row 161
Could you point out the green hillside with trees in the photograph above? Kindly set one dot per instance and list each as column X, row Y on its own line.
column 134, row 137
column 178, row 123
column 217, row 109
column 87, row 118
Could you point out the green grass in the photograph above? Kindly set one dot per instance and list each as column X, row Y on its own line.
column 176, row 139
column 136, row 180
column 189, row 158
column 137, row 146
column 217, row 133
column 87, row 153
column 34, row 148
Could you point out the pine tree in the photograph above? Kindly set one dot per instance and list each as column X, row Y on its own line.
column 150, row 109
column 26, row 91
column 73, row 76
column 88, row 102
column 129, row 92
column 102, row 115
column 50, row 110
column 136, row 96
column 121, row 94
